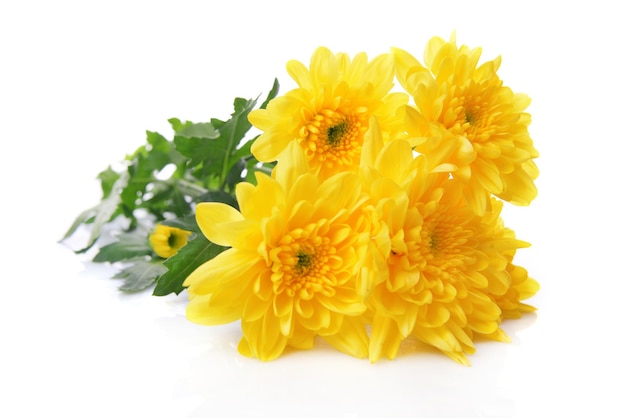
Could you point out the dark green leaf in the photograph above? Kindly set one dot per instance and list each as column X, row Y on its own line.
column 219, row 196
column 129, row 245
column 188, row 223
column 272, row 94
column 235, row 173
column 244, row 150
column 254, row 166
column 144, row 164
column 197, row 251
column 215, row 155
column 141, row 274
column 166, row 198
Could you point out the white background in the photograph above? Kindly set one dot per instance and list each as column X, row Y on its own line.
column 80, row 82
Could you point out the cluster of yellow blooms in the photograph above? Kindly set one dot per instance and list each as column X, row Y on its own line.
column 381, row 220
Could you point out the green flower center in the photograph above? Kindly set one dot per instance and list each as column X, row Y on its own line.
column 305, row 260
column 176, row 240
column 335, row 133
column 470, row 118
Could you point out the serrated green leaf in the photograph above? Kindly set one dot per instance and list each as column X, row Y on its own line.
column 243, row 151
column 166, row 198
column 144, row 164
column 207, row 156
column 157, row 142
column 217, row 124
column 129, row 245
column 140, row 274
column 208, row 151
column 216, row 155
column 85, row 217
column 107, row 179
column 100, row 214
column 203, row 130
column 234, row 129
column 196, row 252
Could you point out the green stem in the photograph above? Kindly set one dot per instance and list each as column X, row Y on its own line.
column 264, row 169
column 187, row 187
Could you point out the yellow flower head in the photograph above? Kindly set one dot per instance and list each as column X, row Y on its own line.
column 328, row 114
column 445, row 264
column 167, row 240
column 297, row 266
column 469, row 123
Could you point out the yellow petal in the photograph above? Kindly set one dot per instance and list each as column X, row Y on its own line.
column 324, row 67
column 351, row 338
column 215, row 221
column 264, row 339
column 385, row 339
column 394, row 159
column 300, row 74
column 201, row 312
column 372, row 144
column 228, row 267
column 293, row 165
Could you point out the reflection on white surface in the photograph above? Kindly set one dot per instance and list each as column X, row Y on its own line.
column 81, row 347
column 86, row 344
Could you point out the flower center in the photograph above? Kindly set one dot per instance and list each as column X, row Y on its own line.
column 176, row 240
column 334, row 138
column 335, row 134
column 471, row 112
column 302, row 261
column 305, row 260
column 443, row 239
column 470, row 117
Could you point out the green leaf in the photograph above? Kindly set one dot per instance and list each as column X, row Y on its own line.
column 208, row 151
column 196, row 252
column 140, row 275
column 166, row 197
column 219, row 196
column 272, row 94
column 100, row 214
column 207, row 160
column 157, row 142
column 188, row 129
column 187, row 223
column 215, row 154
column 84, row 217
column 107, row 179
column 234, row 175
column 129, row 245
column 144, row 164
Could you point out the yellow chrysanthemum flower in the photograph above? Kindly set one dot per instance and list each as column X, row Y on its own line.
column 328, row 114
column 297, row 266
column 167, row 240
column 469, row 123
column 447, row 268
column 521, row 287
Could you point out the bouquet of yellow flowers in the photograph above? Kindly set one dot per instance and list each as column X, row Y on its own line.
column 360, row 215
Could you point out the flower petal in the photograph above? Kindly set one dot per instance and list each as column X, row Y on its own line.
column 215, row 221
